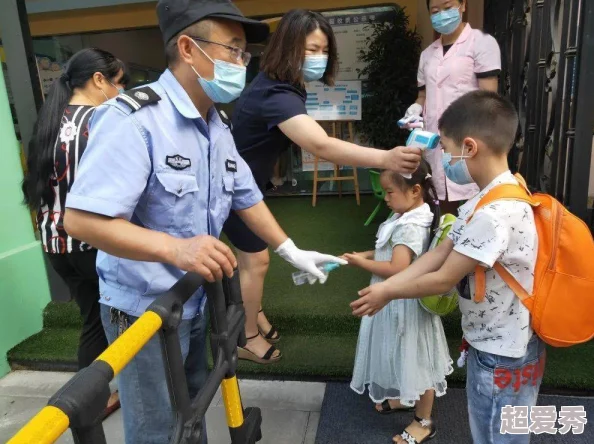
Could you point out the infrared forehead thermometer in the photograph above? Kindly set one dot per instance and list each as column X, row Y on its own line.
column 411, row 122
column 424, row 140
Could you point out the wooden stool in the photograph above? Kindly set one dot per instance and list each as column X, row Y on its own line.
column 336, row 177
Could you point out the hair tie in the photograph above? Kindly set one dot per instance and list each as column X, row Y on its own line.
column 428, row 176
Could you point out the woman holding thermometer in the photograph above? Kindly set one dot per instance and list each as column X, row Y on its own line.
column 462, row 60
column 269, row 116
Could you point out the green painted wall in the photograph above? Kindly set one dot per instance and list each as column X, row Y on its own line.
column 24, row 288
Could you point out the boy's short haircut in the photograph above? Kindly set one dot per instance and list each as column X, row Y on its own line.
column 484, row 115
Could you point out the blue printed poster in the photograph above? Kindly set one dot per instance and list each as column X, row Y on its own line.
column 339, row 102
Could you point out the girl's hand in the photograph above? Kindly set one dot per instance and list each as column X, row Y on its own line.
column 367, row 254
column 354, row 259
column 372, row 299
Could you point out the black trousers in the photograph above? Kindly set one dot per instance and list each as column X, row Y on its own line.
column 79, row 272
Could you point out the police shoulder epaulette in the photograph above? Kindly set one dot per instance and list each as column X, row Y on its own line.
column 224, row 118
column 139, row 97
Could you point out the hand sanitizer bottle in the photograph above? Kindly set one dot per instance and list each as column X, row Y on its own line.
column 302, row 277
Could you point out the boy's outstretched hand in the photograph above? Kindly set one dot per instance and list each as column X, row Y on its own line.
column 372, row 299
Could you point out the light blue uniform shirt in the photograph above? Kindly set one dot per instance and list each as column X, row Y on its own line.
column 160, row 167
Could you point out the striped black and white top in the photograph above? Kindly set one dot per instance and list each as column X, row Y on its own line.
column 68, row 149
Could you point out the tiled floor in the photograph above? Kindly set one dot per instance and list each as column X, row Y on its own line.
column 290, row 410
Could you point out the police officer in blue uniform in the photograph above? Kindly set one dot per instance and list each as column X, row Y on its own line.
column 156, row 183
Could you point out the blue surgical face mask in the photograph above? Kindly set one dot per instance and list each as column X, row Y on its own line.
column 228, row 82
column 447, row 21
column 314, row 67
column 120, row 90
column 457, row 173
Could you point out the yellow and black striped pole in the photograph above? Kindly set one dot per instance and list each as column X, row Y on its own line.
column 51, row 422
column 81, row 401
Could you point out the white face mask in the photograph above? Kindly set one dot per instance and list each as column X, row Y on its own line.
column 228, row 81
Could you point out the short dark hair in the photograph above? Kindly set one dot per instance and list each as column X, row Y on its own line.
column 285, row 53
column 199, row 29
column 485, row 115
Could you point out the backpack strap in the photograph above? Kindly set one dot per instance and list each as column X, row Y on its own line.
column 481, row 288
column 501, row 192
column 505, row 191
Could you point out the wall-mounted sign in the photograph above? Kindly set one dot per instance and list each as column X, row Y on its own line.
column 49, row 72
column 351, row 30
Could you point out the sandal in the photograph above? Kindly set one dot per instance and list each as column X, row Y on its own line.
column 425, row 423
column 272, row 336
column 244, row 353
column 387, row 409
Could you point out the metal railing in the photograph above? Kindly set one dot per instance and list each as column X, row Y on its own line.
column 547, row 49
column 79, row 404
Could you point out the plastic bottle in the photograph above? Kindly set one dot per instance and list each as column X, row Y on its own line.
column 303, row 277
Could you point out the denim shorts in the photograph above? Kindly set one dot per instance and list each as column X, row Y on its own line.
column 495, row 381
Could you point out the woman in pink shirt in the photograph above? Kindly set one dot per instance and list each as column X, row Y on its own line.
column 461, row 60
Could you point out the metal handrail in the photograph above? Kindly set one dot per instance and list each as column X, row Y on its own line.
column 79, row 404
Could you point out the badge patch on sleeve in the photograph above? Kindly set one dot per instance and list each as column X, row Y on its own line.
column 231, row 166
column 178, row 162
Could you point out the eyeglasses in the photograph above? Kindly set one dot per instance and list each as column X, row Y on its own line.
column 237, row 54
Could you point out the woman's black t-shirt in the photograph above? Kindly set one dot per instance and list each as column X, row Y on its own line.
column 263, row 105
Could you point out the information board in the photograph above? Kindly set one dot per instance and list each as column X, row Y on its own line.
column 49, row 71
column 308, row 162
column 351, row 30
column 339, row 102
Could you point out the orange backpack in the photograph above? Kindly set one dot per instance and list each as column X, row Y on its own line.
column 562, row 303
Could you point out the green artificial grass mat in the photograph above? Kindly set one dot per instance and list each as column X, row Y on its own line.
column 315, row 357
column 318, row 331
column 49, row 345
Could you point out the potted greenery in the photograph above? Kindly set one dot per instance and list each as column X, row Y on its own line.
column 392, row 57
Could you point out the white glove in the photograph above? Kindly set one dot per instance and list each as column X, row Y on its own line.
column 414, row 110
column 307, row 261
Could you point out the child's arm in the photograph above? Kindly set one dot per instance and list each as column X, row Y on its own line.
column 427, row 263
column 375, row 297
column 402, row 256
column 364, row 255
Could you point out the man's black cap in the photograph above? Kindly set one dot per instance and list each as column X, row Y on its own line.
column 176, row 15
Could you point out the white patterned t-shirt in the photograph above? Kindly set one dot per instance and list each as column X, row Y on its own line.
column 503, row 231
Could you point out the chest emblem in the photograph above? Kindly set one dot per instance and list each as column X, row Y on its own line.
column 178, row 162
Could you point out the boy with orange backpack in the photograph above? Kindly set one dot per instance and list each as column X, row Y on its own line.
column 527, row 286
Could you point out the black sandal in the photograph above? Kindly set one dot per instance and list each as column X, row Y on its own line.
column 425, row 423
column 244, row 353
column 387, row 409
column 272, row 336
